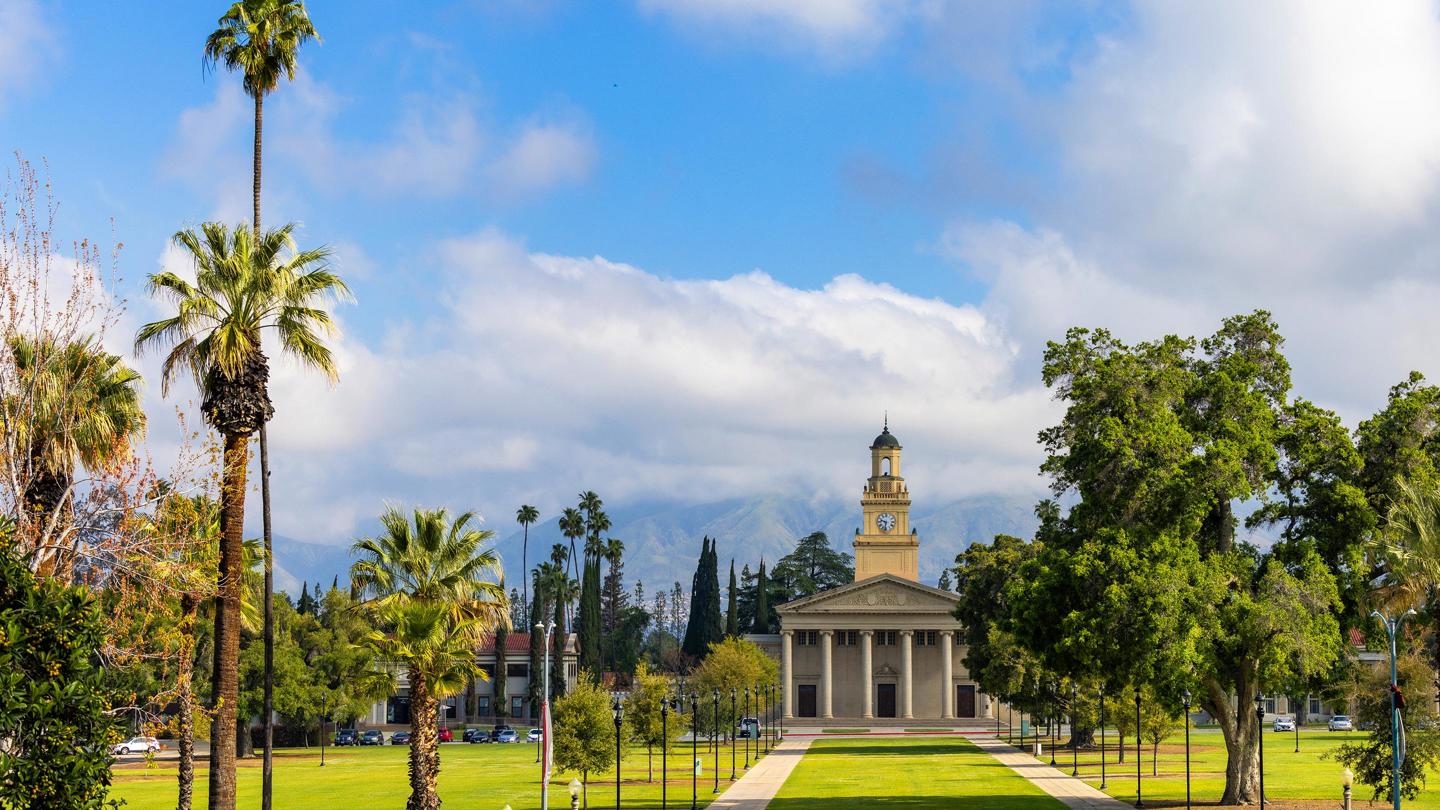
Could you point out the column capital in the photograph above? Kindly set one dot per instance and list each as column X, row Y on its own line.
column 867, row 633
column 827, row 632
column 946, row 633
column 906, row 633
column 787, row 633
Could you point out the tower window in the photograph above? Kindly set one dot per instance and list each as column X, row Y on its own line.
column 885, row 466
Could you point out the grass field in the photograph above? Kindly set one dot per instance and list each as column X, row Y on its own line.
column 471, row 777
column 935, row 772
column 1299, row 778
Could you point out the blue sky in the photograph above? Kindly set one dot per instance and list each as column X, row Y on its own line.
column 692, row 249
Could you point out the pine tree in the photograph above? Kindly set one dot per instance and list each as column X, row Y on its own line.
column 306, row 606
column 762, row 603
column 732, row 618
column 706, row 626
column 334, row 584
column 678, row 613
column 745, row 603
column 944, row 580
column 714, row 619
column 517, row 610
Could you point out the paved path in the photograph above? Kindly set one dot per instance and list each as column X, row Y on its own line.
column 759, row 785
column 1069, row 790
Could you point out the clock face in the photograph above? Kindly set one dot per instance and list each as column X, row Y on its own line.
column 885, row 521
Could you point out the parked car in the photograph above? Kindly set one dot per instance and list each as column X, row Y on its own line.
column 446, row 735
column 749, row 726
column 474, row 735
column 137, row 745
column 1341, row 722
column 509, row 735
column 372, row 736
column 347, row 736
column 400, row 738
column 533, row 736
column 495, row 732
column 1283, row 723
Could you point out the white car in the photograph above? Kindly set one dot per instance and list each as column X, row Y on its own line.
column 1341, row 722
column 137, row 745
column 1283, row 723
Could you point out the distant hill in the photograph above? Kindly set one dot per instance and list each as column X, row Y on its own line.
column 662, row 541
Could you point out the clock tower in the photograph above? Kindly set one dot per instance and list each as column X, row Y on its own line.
column 885, row 543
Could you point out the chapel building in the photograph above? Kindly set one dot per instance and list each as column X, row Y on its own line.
column 884, row 646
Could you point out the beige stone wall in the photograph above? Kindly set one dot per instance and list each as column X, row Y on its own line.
column 847, row 677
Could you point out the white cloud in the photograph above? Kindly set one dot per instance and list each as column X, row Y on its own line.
column 836, row 30
column 545, row 155
column 1235, row 156
column 550, row 373
column 27, row 45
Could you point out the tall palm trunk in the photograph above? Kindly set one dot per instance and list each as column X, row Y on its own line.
column 268, row 711
column 225, row 682
column 424, row 746
column 525, row 576
column 188, row 608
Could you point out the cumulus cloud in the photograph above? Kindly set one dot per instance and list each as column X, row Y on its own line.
column 545, row 374
column 1220, row 159
column 27, row 44
column 836, row 30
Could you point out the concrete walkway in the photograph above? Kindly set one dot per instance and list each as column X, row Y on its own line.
column 758, row 786
column 1072, row 792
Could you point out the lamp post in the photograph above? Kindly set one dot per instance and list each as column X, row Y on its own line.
column 713, row 736
column 1296, row 718
column 1185, row 701
column 1009, row 724
column 323, row 696
column 1392, row 627
column 1054, row 719
column 732, row 734
column 1139, row 801
column 1346, row 778
column 1102, row 736
column 1074, row 746
column 619, row 719
column 1260, row 741
column 664, row 752
column 694, row 751
column 574, row 794
column 763, row 703
column 747, row 728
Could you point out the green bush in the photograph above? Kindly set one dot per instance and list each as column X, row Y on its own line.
column 53, row 709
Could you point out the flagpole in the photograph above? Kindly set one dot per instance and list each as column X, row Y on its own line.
column 545, row 722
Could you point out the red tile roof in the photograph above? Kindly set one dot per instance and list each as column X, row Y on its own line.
column 517, row 644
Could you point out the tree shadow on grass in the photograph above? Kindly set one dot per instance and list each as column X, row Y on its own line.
column 891, row 750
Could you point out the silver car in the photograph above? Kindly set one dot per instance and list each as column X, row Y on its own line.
column 1341, row 722
column 1283, row 723
column 136, row 745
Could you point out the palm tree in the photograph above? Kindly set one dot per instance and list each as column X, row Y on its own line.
column 82, row 409
column 261, row 38
column 572, row 525
column 437, row 650
column 525, row 516
column 430, row 586
column 1409, row 545
column 243, row 286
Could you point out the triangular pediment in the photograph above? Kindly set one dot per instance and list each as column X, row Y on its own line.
column 885, row 593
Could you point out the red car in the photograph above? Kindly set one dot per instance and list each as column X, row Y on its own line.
column 446, row 735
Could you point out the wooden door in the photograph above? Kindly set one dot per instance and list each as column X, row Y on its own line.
column 807, row 700
column 964, row 700
column 885, row 700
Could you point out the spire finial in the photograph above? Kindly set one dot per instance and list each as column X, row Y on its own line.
column 887, row 420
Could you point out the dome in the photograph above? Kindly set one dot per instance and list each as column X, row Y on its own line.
column 885, row 439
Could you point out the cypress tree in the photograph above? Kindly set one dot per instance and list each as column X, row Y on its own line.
column 590, row 629
column 502, row 702
column 557, row 656
column 537, row 658
column 305, row 606
column 762, row 602
column 714, row 619
column 695, row 642
column 732, row 618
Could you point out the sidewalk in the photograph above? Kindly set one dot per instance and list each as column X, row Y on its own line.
column 1072, row 792
column 758, row 786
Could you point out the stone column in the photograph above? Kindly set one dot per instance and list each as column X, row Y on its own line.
column 866, row 672
column 787, row 673
column 906, row 679
column 826, row 681
column 947, row 674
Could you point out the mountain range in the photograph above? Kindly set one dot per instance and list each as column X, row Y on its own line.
column 662, row 540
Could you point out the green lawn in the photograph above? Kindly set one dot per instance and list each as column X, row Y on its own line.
column 1288, row 775
column 471, row 776
column 934, row 772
